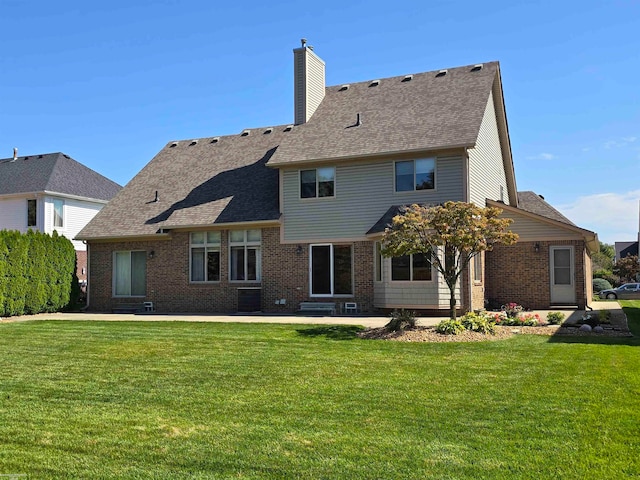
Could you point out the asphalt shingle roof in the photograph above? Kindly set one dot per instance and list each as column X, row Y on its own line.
column 427, row 112
column 533, row 203
column 54, row 172
column 203, row 183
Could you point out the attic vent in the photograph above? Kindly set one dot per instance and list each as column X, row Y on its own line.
column 193, row 142
column 441, row 73
column 215, row 139
column 268, row 131
column 40, row 156
column 344, row 87
column 288, row 128
column 173, row 144
column 477, row 68
column 374, row 83
column 245, row 133
column 407, row 78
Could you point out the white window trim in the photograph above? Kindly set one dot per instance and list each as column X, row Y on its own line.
column 331, row 269
column 113, row 274
column 257, row 245
column 435, row 176
column 53, row 220
column 208, row 247
column 35, row 225
column 316, row 197
column 411, row 280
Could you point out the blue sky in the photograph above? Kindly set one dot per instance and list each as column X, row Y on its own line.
column 110, row 83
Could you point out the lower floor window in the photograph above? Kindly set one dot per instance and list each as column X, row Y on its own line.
column 415, row 267
column 331, row 270
column 205, row 265
column 130, row 274
column 245, row 263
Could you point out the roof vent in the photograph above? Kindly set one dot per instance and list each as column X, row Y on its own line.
column 173, row 144
column 288, row 128
column 374, row 83
column 407, row 78
column 215, row 139
column 40, row 156
column 344, row 87
column 477, row 67
column 193, row 142
column 26, row 158
column 441, row 73
column 268, row 131
column 245, row 133
column 15, row 154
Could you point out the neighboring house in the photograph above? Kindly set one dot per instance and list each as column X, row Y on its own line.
column 624, row 249
column 279, row 215
column 52, row 192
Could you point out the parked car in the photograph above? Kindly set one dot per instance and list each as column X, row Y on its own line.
column 628, row 291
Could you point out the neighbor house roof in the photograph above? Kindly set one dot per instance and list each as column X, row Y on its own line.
column 200, row 182
column 424, row 111
column 54, row 173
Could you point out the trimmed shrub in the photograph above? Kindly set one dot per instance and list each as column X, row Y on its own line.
column 555, row 318
column 600, row 284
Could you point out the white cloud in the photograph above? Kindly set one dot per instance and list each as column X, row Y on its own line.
column 622, row 142
column 542, row 156
column 613, row 216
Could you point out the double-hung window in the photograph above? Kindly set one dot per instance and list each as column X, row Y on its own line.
column 58, row 212
column 205, row 256
column 412, row 268
column 331, row 270
column 414, row 175
column 129, row 274
column 244, row 255
column 317, row 182
column 32, row 212
column 477, row 267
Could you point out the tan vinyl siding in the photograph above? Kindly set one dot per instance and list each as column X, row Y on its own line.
column 486, row 167
column 363, row 193
column 529, row 228
column 309, row 83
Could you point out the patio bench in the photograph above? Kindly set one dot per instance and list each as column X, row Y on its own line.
column 318, row 307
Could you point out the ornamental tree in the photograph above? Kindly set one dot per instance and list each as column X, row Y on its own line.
column 460, row 230
column 627, row 268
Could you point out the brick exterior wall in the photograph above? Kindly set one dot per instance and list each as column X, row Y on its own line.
column 285, row 275
column 81, row 264
column 517, row 273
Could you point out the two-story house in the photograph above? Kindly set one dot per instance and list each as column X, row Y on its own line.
column 279, row 215
column 52, row 192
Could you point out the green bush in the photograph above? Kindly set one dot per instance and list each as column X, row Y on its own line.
column 555, row 318
column 477, row 322
column 36, row 272
column 600, row 284
column 604, row 316
column 401, row 320
column 450, row 327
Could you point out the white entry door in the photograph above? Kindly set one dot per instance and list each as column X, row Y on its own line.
column 562, row 267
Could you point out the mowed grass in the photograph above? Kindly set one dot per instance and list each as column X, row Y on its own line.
column 249, row 401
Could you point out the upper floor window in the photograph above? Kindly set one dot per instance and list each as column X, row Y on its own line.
column 58, row 212
column 32, row 212
column 130, row 273
column 205, row 256
column 244, row 255
column 317, row 182
column 413, row 268
column 415, row 175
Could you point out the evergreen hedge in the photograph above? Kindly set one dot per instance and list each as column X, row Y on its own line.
column 37, row 272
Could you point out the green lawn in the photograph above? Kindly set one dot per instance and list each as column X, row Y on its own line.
column 207, row 400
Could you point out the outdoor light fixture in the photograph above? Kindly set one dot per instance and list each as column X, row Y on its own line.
column 152, row 253
column 536, row 247
column 299, row 249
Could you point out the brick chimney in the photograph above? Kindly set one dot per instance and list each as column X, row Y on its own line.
column 308, row 82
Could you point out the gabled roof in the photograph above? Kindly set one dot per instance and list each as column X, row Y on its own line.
column 534, row 203
column 55, row 173
column 203, row 182
column 429, row 111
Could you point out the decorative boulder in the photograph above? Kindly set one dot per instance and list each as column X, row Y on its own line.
column 598, row 329
column 585, row 328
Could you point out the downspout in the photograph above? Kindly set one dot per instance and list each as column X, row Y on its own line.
column 86, row 307
column 467, row 198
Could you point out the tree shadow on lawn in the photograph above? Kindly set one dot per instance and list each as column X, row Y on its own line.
column 332, row 332
column 631, row 322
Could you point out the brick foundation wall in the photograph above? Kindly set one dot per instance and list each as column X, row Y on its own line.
column 517, row 273
column 285, row 275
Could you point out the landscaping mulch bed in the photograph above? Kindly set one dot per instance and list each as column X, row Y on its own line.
column 617, row 328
